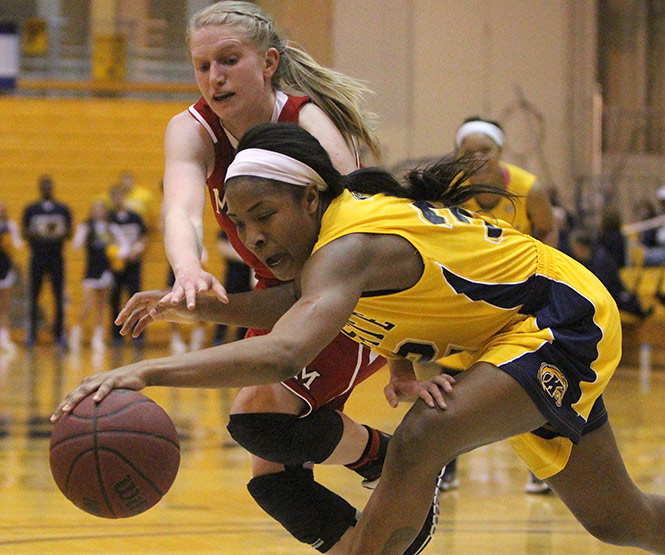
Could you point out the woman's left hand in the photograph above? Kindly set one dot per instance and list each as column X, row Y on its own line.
column 430, row 391
column 126, row 377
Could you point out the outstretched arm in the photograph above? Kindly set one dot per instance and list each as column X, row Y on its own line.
column 255, row 309
column 331, row 287
column 189, row 158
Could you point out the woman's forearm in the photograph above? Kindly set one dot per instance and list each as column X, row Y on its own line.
column 254, row 309
column 252, row 361
column 183, row 240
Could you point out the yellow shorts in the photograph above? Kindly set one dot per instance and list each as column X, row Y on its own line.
column 563, row 356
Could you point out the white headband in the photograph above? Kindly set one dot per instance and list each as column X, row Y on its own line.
column 257, row 162
column 484, row 127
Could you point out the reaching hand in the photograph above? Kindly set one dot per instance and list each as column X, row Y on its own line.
column 189, row 283
column 127, row 377
column 145, row 307
column 430, row 391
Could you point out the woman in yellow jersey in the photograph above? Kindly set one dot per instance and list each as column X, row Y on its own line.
column 532, row 212
column 402, row 269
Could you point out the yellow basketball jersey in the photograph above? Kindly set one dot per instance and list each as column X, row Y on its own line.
column 495, row 295
column 475, row 279
column 515, row 213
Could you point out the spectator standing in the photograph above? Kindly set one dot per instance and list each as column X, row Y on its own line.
column 46, row 224
column 611, row 238
column 140, row 200
column 103, row 242
column 645, row 210
column 128, row 275
column 10, row 239
column 595, row 256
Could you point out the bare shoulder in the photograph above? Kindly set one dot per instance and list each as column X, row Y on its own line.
column 187, row 139
column 184, row 123
column 314, row 120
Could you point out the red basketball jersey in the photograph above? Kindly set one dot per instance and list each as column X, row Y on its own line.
column 224, row 153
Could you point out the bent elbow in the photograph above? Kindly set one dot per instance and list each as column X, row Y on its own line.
column 289, row 362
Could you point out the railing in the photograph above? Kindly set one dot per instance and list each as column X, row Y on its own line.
column 595, row 195
column 145, row 66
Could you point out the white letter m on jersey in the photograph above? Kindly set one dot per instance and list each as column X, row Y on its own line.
column 307, row 378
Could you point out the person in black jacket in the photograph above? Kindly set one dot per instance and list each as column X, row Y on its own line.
column 46, row 225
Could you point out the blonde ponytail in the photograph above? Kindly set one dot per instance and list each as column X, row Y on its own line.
column 339, row 96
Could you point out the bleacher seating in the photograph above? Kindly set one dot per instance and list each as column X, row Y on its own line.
column 638, row 334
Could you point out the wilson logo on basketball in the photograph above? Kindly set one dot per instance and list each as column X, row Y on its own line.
column 553, row 382
column 130, row 494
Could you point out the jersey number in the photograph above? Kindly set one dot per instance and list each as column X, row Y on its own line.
column 428, row 211
column 416, row 351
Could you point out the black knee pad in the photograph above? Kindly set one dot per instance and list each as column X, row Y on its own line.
column 287, row 439
column 310, row 512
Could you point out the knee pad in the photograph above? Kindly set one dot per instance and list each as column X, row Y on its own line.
column 311, row 513
column 287, row 439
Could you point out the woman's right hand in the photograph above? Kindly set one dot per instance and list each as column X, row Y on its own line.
column 191, row 282
column 145, row 307
column 127, row 377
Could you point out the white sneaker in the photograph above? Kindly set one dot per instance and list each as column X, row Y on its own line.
column 75, row 339
column 178, row 346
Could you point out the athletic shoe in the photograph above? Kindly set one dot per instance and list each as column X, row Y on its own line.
column 431, row 522
column 6, row 342
column 536, row 485
column 97, row 342
column 197, row 339
column 449, row 480
column 370, row 484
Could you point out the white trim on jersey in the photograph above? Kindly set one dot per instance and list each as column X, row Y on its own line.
column 357, row 369
column 203, row 122
column 309, row 410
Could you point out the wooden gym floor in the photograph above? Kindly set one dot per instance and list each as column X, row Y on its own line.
column 208, row 509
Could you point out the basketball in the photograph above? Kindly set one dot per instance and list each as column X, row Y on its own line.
column 116, row 458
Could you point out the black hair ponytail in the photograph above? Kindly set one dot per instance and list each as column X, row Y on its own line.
column 445, row 181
